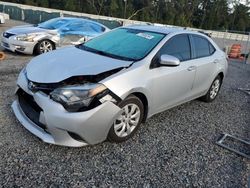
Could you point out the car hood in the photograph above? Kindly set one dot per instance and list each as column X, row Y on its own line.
column 27, row 29
column 67, row 62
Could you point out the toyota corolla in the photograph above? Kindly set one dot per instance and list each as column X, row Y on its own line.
column 107, row 87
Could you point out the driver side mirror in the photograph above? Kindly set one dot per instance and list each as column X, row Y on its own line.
column 169, row 60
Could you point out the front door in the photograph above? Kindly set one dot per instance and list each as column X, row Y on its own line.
column 172, row 85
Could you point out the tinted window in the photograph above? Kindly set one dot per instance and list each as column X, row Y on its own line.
column 202, row 47
column 178, row 46
column 211, row 49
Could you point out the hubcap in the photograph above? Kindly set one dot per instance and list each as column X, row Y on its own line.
column 125, row 124
column 45, row 46
column 214, row 89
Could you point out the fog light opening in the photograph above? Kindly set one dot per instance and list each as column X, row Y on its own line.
column 76, row 137
column 20, row 48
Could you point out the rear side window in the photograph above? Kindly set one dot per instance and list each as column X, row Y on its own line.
column 178, row 46
column 202, row 46
column 211, row 49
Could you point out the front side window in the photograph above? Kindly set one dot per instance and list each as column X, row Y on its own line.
column 178, row 46
column 124, row 43
column 202, row 46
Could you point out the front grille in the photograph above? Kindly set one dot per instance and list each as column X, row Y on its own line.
column 7, row 35
column 30, row 107
column 45, row 88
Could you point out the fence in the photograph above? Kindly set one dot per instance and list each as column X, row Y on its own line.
column 228, row 38
column 32, row 14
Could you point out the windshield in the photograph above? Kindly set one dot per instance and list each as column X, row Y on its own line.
column 124, row 43
column 53, row 23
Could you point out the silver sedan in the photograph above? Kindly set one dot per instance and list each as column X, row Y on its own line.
column 49, row 35
column 105, row 88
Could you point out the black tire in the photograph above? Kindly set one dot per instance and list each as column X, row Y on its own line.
column 130, row 100
column 40, row 44
column 209, row 97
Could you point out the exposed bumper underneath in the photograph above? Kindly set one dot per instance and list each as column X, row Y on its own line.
column 29, row 125
column 92, row 126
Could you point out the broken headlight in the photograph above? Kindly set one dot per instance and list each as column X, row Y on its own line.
column 75, row 97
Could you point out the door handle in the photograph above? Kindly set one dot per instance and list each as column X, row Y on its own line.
column 191, row 68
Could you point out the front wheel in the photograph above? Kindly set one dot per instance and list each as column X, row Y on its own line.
column 44, row 46
column 129, row 121
column 213, row 90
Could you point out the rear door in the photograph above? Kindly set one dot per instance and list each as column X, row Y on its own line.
column 205, row 62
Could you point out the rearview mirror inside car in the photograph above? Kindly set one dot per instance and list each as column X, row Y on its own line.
column 168, row 60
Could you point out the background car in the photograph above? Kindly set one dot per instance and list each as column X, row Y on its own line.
column 46, row 36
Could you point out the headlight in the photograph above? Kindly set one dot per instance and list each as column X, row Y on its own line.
column 76, row 97
column 27, row 37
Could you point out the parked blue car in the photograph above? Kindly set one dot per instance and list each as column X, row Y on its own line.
column 49, row 35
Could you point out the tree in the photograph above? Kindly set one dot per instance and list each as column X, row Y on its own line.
column 240, row 18
column 205, row 14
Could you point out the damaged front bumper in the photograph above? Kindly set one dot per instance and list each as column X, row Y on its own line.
column 49, row 121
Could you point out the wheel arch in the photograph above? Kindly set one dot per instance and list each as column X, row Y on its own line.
column 144, row 100
column 34, row 49
column 221, row 74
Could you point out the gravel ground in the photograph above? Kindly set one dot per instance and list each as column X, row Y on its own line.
column 175, row 148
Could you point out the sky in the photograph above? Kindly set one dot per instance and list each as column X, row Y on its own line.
column 239, row 1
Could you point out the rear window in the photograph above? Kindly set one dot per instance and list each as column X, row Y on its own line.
column 211, row 48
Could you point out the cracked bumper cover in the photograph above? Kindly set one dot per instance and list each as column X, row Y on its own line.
column 92, row 125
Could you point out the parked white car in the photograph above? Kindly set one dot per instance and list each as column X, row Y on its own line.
column 3, row 17
column 49, row 35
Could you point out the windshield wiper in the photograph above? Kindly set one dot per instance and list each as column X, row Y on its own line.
column 83, row 47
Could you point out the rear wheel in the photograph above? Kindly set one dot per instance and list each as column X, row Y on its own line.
column 129, row 121
column 44, row 46
column 213, row 90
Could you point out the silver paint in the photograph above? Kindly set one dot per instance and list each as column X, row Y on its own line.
column 164, row 87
